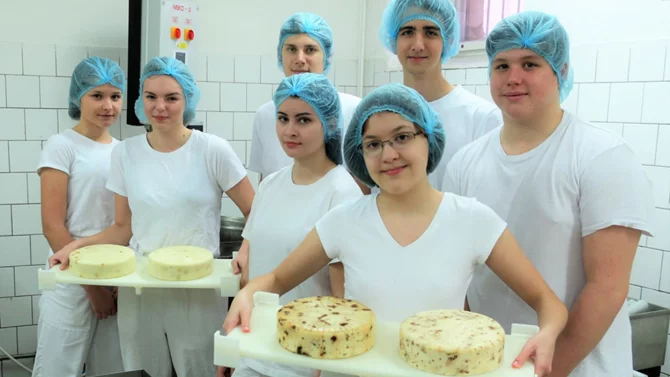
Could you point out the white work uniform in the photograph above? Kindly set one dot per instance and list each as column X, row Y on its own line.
column 282, row 215
column 175, row 199
column 578, row 181
column 433, row 272
column 465, row 118
column 267, row 155
column 68, row 332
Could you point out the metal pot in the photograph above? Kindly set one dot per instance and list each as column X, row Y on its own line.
column 649, row 337
column 231, row 228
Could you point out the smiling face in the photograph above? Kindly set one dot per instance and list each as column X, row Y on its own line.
column 419, row 47
column 523, row 84
column 101, row 106
column 299, row 129
column 164, row 102
column 395, row 169
column 300, row 53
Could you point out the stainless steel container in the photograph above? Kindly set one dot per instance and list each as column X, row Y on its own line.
column 650, row 337
column 231, row 228
column 230, row 236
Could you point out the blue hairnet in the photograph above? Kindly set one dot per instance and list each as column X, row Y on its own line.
column 177, row 70
column 402, row 100
column 321, row 95
column 440, row 12
column 90, row 73
column 541, row 33
column 313, row 25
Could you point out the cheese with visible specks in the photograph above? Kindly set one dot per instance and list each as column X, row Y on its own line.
column 180, row 263
column 326, row 327
column 452, row 342
column 102, row 261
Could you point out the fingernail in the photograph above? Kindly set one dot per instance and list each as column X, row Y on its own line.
column 516, row 364
column 245, row 329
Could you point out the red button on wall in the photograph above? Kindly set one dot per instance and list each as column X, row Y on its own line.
column 175, row 33
column 190, row 35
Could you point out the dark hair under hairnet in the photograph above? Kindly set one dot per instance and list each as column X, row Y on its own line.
column 317, row 91
column 440, row 12
column 402, row 100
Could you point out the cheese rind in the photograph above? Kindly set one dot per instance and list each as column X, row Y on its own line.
column 452, row 342
column 326, row 327
column 102, row 261
column 180, row 263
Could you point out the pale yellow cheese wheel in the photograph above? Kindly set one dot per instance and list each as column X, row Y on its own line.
column 102, row 261
column 180, row 263
column 452, row 342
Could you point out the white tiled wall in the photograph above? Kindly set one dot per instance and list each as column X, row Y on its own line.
column 639, row 110
column 34, row 83
column 626, row 88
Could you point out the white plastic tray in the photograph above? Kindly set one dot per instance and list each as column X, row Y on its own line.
column 383, row 360
column 222, row 278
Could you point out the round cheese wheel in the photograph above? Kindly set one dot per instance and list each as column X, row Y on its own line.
column 102, row 261
column 452, row 342
column 180, row 263
column 326, row 327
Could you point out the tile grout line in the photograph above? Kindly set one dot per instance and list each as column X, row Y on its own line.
column 660, row 276
column 658, row 135
column 5, row 78
column 630, row 58
column 665, row 62
column 609, row 101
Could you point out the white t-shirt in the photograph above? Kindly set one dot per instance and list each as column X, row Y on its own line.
column 431, row 273
column 282, row 214
column 90, row 206
column 465, row 118
column 580, row 180
column 267, row 155
column 175, row 197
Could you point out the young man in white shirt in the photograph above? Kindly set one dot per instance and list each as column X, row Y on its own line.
column 305, row 45
column 424, row 34
column 574, row 196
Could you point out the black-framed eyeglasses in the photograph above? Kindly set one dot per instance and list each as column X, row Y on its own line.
column 373, row 148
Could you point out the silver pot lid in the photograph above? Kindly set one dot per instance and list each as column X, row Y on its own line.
column 232, row 222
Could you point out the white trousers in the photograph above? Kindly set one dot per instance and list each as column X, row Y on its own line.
column 244, row 371
column 252, row 367
column 69, row 334
column 162, row 328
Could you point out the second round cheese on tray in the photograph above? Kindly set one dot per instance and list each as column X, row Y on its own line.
column 102, row 262
column 452, row 342
column 326, row 327
column 180, row 263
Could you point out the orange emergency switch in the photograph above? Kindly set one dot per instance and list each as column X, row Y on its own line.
column 189, row 34
column 175, row 33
